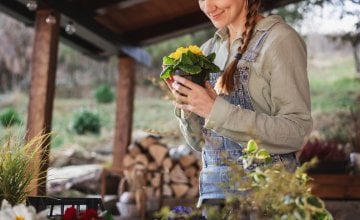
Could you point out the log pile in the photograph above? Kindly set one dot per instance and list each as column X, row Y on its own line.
column 169, row 176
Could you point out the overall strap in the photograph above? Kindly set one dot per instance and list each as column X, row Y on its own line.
column 251, row 54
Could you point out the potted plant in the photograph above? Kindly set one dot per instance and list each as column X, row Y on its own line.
column 267, row 192
column 189, row 62
column 270, row 191
column 333, row 158
column 16, row 166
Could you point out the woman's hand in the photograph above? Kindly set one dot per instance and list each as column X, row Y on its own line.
column 192, row 97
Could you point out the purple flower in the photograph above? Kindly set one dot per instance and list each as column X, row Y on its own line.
column 181, row 210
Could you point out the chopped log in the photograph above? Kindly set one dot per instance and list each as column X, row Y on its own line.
column 167, row 164
column 149, row 176
column 150, row 191
column 199, row 163
column 190, row 171
column 134, row 150
column 158, row 192
column 179, row 189
column 156, row 180
column 187, row 160
column 142, row 158
column 167, row 191
column 194, row 181
column 152, row 166
column 128, row 161
column 177, row 175
column 193, row 192
column 166, row 177
column 146, row 142
column 158, row 152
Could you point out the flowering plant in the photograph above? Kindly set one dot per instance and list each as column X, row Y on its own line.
column 180, row 213
column 190, row 60
column 20, row 212
column 89, row 214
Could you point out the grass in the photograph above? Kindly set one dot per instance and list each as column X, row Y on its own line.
column 333, row 82
column 334, row 86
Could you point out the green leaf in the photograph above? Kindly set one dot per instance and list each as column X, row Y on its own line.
column 315, row 202
column 166, row 73
column 190, row 69
column 193, row 57
column 211, row 57
column 251, row 147
column 185, row 59
column 207, row 64
column 168, row 61
column 214, row 69
column 262, row 155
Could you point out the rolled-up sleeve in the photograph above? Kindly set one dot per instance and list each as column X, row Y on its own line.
column 283, row 129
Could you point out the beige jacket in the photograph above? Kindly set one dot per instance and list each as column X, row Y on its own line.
column 279, row 89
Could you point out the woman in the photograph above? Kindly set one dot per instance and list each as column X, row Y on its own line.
column 262, row 92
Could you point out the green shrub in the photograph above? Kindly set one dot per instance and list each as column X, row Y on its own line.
column 104, row 94
column 86, row 121
column 10, row 117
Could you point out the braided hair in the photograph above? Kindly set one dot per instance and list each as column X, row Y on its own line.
column 225, row 83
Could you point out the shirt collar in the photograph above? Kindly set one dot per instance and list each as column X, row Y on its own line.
column 263, row 25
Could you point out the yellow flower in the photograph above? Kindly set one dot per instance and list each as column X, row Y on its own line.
column 19, row 217
column 177, row 54
column 195, row 50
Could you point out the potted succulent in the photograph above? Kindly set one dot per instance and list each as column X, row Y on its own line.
column 189, row 62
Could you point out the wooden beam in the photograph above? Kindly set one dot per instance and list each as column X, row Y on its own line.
column 42, row 89
column 85, row 19
column 166, row 27
column 94, row 4
column 18, row 11
column 271, row 4
column 124, row 109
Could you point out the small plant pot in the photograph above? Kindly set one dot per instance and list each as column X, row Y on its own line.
column 196, row 78
column 128, row 209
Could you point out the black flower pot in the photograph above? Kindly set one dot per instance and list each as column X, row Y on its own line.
column 196, row 78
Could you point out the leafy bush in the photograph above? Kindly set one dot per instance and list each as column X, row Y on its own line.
column 10, row 117
column 86, row 121
column 104, row 94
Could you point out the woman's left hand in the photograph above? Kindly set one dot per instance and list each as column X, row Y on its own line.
column 192, row 97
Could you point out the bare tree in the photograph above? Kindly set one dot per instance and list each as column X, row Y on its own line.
column 15, row 53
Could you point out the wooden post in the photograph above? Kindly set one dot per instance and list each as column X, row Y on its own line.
column 124, row 109
column 42, row 89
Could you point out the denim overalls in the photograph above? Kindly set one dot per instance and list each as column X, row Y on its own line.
column 218, row 150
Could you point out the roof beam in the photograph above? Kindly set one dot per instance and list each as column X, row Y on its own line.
column 92, row 5
column 86, row 20
column 166, row 28
column 271, row 4
column 17, row 10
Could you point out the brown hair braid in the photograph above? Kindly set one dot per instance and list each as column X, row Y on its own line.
column 225, row 83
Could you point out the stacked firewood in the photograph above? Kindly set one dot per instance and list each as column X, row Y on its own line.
column 168, row 175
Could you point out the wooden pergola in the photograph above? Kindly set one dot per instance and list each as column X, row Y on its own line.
column 104, row 28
